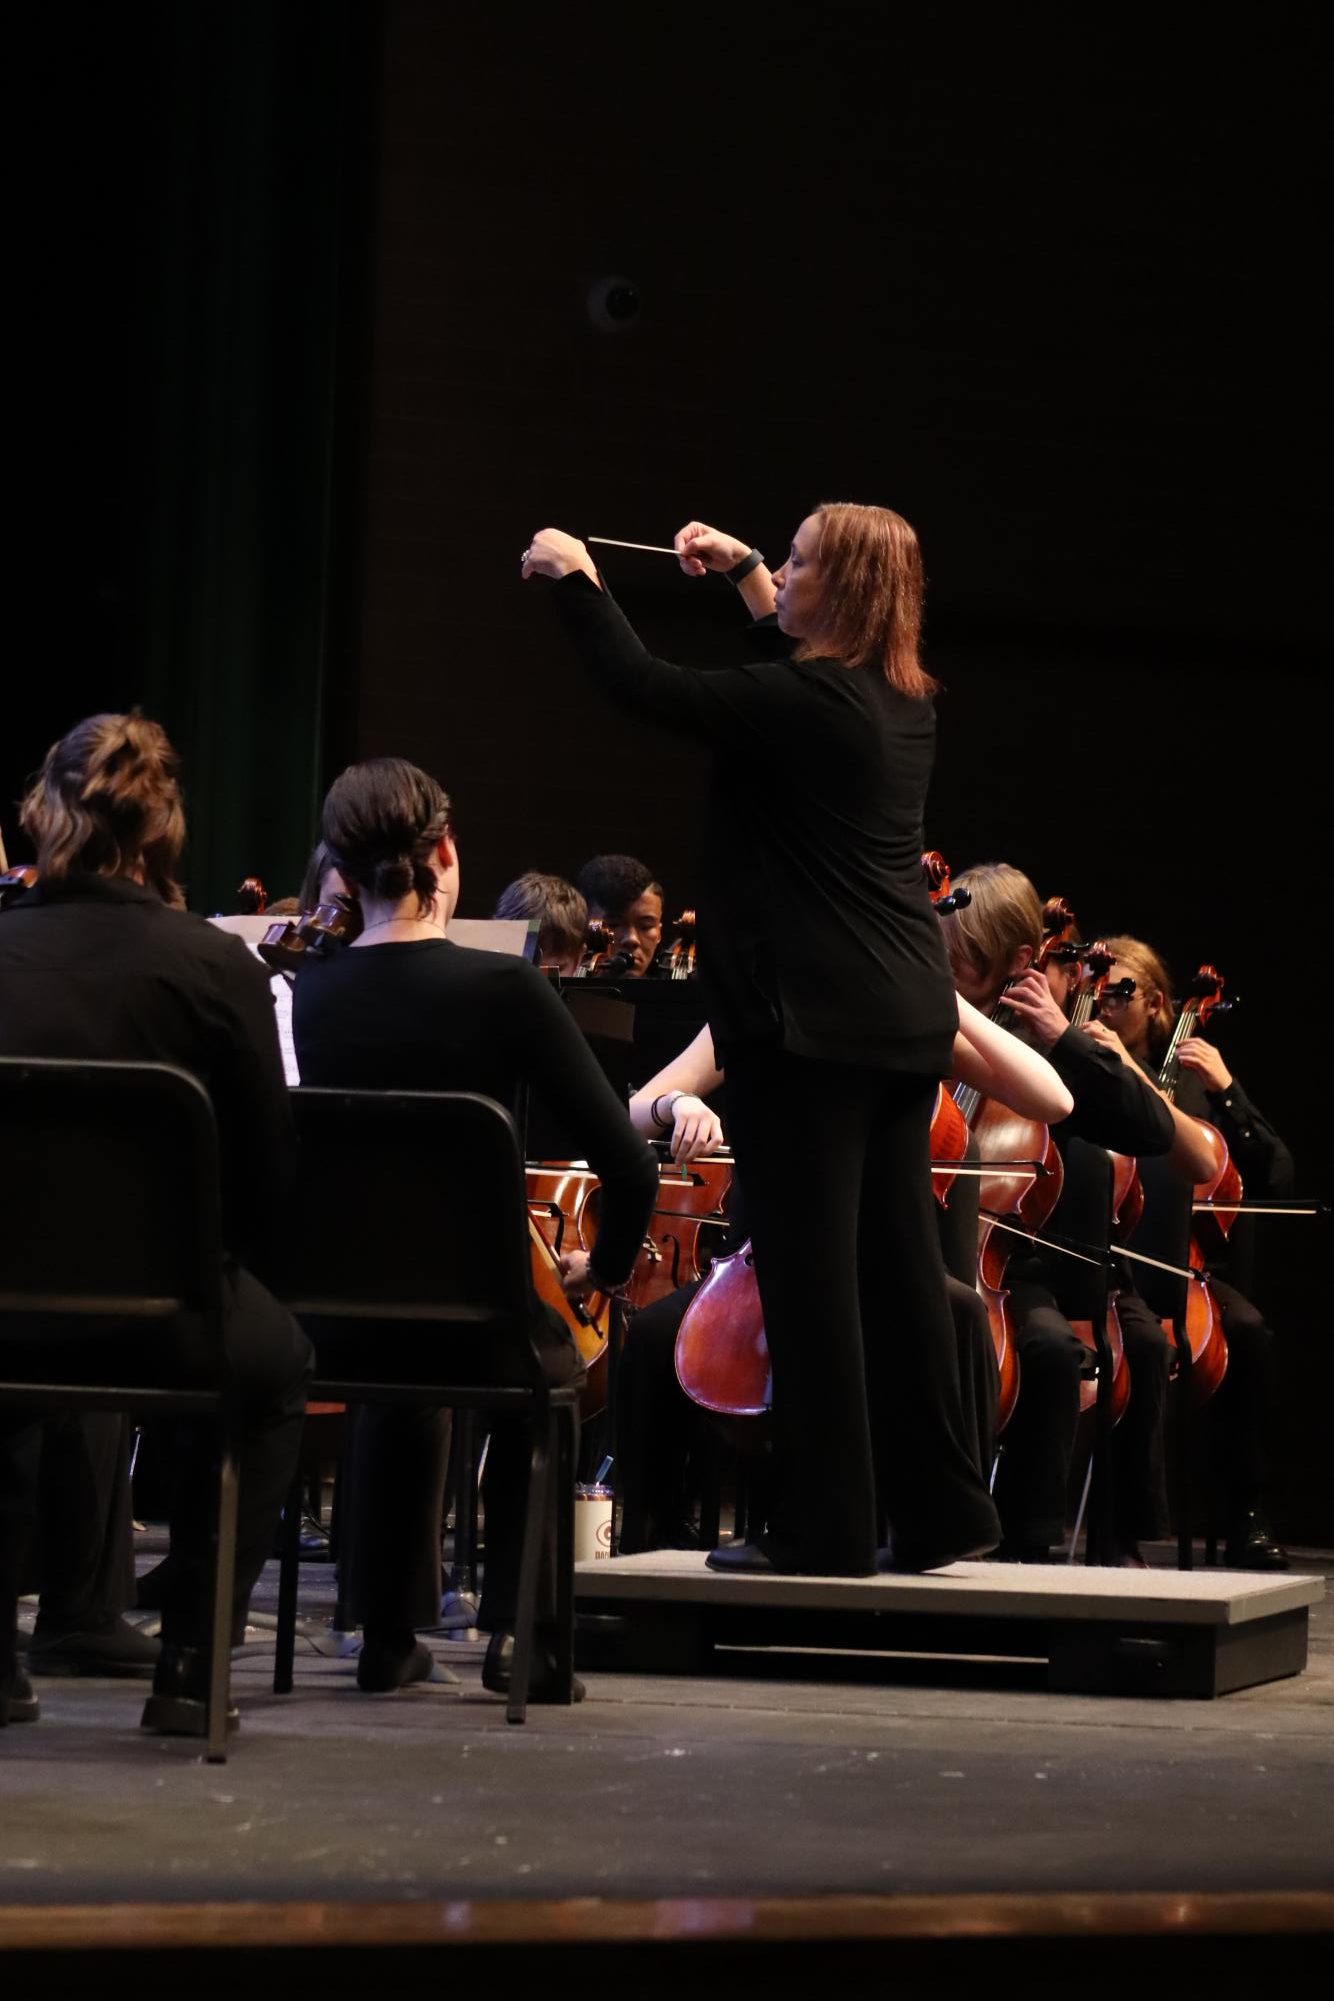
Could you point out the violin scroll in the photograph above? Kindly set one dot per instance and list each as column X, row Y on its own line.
column 315, row 934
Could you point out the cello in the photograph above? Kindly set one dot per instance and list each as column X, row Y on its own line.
column 1205, row 1338
column 1023, row 1191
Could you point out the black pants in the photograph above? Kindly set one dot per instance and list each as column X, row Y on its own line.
column 1032, row 1486
column 1039, row 1441
column 868, row 1422
column 270, row 1359
column 81, row 1554
column 1243, row 1403
column 397, row 1468
column 1139, row 1470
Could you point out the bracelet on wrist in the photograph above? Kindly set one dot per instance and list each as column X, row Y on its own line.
column 741, row 570
column 665, row 1125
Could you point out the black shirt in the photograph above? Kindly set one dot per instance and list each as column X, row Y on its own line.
column 425, row 1015
column 97, row 966
column 815, row 927
column 1116, row 1111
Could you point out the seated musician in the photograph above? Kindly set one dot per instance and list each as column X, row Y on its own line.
column 992, row 945
column 657, row 1424
column 100, row 960
column 404, row 1009
column 561, row 915
column 622, row 893
column 1208, row 1090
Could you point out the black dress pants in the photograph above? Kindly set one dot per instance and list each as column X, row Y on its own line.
column 1139, row 1471
column 656, row 1425
column 868, row 1421
column 1039, row 1441
column 270, row 1359
column 1243, row 1403
column 397, row 1470
column 81, row 1555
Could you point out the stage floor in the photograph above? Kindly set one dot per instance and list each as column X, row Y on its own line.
column 873, row 1777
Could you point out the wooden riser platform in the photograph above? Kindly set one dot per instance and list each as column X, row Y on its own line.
column 1099, row 1632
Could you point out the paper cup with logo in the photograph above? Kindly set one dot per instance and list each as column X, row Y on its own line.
column 592, row 1524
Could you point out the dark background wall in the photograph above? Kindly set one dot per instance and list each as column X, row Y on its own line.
column 1047, row 282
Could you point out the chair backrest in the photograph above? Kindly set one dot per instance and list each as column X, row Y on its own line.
column 411, row 1206
column 113, row 1205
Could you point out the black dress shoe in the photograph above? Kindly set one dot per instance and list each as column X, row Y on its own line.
column 386, row 1665
column 748, row 1559
column 1250, row 1546
column 116, row 1648
column 542, row 1674
column 177, row 1707
column 18, row 1704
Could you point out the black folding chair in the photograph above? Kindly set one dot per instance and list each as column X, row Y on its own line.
column 411, row 1214
column 117, row 1231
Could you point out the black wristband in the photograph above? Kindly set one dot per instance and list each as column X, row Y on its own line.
column 744, row 567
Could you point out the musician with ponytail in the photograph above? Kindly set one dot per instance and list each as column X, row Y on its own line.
column 404, row 1009
column 100, row 960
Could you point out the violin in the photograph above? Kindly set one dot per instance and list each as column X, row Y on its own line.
column 691, row 1200
column 558, row 1199
column 677, row 960
column 315, row 934
column 601, row 959
column 14, row 883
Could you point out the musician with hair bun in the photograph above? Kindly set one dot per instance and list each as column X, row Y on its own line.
column 100, row 960
column 833, row 1014
column 405, row 1009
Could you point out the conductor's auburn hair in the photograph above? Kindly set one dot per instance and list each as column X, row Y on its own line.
column 872, row 591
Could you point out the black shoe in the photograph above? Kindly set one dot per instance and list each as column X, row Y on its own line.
column 18, row 1704
column 1250, row 1546
column 542, row 1674
column 386, row 1665
column 769, row 1559
column 177, row 1706
column 116, row 1648
column 742, row 1559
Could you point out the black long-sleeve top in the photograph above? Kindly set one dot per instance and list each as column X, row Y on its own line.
column 1261, row 1158
column 425, row 1015
column 1114, row 1106
column 98, row 967
column 815, row 928
column 1115, row 1111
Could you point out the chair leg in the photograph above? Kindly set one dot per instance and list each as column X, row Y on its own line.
column 1182, row 1429
column 224, row 1579
column 534, row 1526
column 289, row 1570
column 564, row 1502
